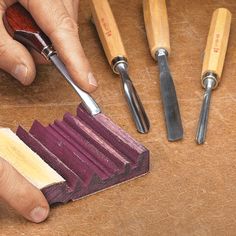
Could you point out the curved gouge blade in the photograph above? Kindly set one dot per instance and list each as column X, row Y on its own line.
column 169, row 100
column 137, row 110
column 203, row 120
column 89, row 103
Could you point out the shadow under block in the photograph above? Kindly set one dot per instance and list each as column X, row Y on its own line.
column 88, row 153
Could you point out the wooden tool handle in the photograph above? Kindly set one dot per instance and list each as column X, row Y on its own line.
column 107, row 29
column 22, row 27
column 217, row 42
column 157, row 26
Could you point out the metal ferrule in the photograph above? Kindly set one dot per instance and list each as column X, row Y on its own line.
column 161, row 52
column 116, row 61
column 210, row 75
column 48, row 51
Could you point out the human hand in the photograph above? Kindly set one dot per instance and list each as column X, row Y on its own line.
column 22, row 195
column 58, row 21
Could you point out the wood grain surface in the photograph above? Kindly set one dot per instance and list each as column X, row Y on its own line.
column 190, row 189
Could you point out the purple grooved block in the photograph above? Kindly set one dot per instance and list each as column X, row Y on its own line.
column 78, row 141
column 96, row 140
column 114, row 134
column 82, row 155
column 91, row 153
column 65, row 152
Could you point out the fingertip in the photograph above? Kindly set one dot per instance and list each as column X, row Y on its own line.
column 80, row 70
column 37, row 208
column 92, row 82
column 19, row 64
column 24, row 73
column 39, row 214
column 85, row 81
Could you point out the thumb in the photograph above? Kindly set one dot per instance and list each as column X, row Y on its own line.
column 26, row 199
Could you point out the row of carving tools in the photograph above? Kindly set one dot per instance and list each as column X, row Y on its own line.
column 157, row 28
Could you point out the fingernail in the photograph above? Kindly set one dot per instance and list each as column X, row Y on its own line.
column 39, row 214
column 92, row 80
column 20, row 73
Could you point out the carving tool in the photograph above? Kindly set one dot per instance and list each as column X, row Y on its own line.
column 114, row 49
column 22, row 27
column 157, row 27
column 213, row 63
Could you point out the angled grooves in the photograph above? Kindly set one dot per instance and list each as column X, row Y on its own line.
column 94, row 155
column 114, row 134
column 90, row 153
column 80, row 153
column 62, row 149
column 97, row 141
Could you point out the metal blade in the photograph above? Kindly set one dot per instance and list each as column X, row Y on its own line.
column 169, row 99
column 90, row 104
column 203, row 120
column 137, row 110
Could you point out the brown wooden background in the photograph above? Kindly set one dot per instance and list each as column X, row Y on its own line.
column 191, row 190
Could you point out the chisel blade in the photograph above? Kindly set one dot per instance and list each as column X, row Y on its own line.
column 169, row 100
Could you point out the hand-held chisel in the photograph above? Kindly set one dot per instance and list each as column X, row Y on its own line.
column 213, row 63
column 22, row 27
column 115, row 52
column 157, row 27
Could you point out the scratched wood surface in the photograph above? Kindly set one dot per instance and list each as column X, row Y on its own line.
column 190, row 189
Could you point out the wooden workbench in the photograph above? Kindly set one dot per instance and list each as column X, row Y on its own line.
column 190, row 190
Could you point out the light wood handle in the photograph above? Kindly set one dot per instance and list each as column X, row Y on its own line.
column 107, row 29
column 25, row 161
column 157, row 26
column 217, row 42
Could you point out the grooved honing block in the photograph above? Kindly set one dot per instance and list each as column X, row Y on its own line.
column 90, row 153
